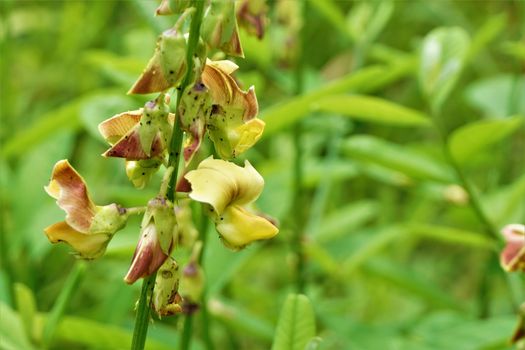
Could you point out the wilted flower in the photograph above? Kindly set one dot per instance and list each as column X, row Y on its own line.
column 141, row 134
column 232, row 124
column 229, row 189
column 219, row 28
column 88, row 228
column 512, row 257
column 156, row 242
column 166, row 68
column 166, row 300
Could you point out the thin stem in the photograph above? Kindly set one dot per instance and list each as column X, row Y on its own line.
column 143, row 310
column 165, row 181
column 177, row 136
column 467, row 185
column 142, row 320
column 297, row 201
column 136, row 210
column 205, row 316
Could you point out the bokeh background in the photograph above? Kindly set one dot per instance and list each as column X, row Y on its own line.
column 395, row 257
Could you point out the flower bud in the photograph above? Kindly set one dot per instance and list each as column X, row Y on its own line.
column 219, row 28
column 170, row 7
column 512, row 258
column 187, row 233
column 192, row 280
column 251, row 15
column 156, row 241
column 139, row 172
column 166, row 300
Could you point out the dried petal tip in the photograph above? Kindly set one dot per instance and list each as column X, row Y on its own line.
column 512, row 258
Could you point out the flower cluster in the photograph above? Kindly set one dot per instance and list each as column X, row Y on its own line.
column 209, row 102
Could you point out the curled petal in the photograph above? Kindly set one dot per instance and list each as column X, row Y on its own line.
column 225, row 91
column 130, row 147
column 114, row 128
column 512, row 257
column 221, row 183
column 148, row 256
column 88, row 246
column 238, row 227
column 70, row 191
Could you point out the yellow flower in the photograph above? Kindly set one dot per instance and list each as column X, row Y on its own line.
column 88, row 228
column 232, row 124
column 229, row 189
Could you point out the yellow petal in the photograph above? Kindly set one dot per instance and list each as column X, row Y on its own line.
column 221, row 183
column 88, row 246
column 119, row 125
column 70, row 191
column 248, row 134
column 226, row 66
column 238, row 227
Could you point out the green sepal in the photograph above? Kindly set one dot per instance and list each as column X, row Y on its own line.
column 172, row 51
column 160, row 210
column 139, row 172
column 108, row 219
column 154, row 120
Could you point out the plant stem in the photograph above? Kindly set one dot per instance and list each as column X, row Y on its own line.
column 205, row 316
column 297, row 201
column 136, row 210
column 473, row 197
column 143, row 310
column 142, row 320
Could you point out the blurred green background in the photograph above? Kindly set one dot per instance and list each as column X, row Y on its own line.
column 395, row 257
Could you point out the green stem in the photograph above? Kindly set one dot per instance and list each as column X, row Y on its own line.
column 61, row 303
column 297, row 202
column 177, row 136
column 474, row 201
column 205, row 316
column 142, row 320
column 136, row 210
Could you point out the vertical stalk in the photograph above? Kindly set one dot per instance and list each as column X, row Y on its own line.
column 143, row 310
column 205, row 316
column 297, row 208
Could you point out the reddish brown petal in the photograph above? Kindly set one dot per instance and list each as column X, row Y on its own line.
column 88, row 246
column 119, row 125
column 70, row 191
column 152, row 79
column 512, row 258
column 129, row 147
column 148, row 256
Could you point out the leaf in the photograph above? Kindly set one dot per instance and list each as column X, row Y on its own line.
column 506, row 204
column 390, row 155
column 492, row 95
column 365, row 80
column 472, row 138
column 26, row 305
column 64, row 117
column 12, row 335
column 330, row 10
column 240, row 319
column 442, row 57
column 366, row 20
column 296, row 326
column 372, row 109
column 453, row 236
column 346, row 219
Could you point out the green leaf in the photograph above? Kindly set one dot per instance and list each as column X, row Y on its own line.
column 506, row 204
column 494, row 95
column 390, row 155
column 26, row 305
column 296, row 326
column 12, row 335
column 442, row 57
column 367, row 79
column 472, row 138
column 240, row 319
column 330, row 10
column 372, row 109
column 453, row 236
column 367, row 19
